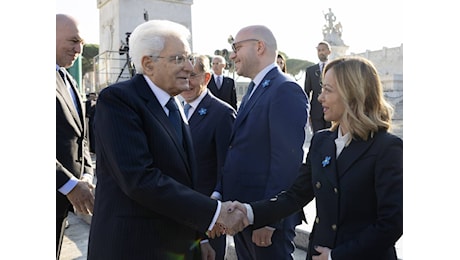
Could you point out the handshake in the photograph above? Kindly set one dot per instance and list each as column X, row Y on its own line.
column 232, row 219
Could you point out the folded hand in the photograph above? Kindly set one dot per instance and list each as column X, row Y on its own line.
column 82, row 197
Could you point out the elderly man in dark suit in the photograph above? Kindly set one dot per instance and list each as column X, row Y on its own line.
column 221, row 86
column 265, row 151
column 211, row 121
column 74, row 171
column 146, row 207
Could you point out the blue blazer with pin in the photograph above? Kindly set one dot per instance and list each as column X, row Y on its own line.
column 211, row 124
column 359, row 196
column 265, row 151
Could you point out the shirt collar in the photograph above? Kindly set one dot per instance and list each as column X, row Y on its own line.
column 260, row 76
column 162, row 96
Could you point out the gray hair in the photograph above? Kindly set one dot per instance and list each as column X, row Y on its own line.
column 148, row 39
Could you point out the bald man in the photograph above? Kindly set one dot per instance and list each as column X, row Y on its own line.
column 74, row 171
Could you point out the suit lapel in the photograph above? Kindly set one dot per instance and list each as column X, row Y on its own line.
column 351, row 154
column 61, row 88
column 327, row 157
column 196, row 118
column 157, row 111
column 213, row 85
column 259, row 92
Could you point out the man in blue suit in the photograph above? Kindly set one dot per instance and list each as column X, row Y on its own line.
column 221, row 86
column 210, row 120
column 265, row 152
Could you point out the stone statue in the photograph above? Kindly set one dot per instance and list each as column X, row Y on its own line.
column 332, row 33
column 330, row 18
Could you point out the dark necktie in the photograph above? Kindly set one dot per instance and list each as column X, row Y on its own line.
column 174, row 117
column 72, row 94
column 186, row 109
column 246, row 96
column 321, row 67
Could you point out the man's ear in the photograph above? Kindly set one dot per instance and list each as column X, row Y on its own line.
column 148, row 65
column 207, row 77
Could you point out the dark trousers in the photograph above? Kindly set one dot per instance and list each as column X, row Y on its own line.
column 282, row 247
column 219, row 244
column 60, row 228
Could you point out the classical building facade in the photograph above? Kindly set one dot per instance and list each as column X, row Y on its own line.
column 117, row 19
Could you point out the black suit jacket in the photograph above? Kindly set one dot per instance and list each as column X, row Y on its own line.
column 359, row 196
column 72, row 151
column 145, row 206
column 211, row 125
column 313, row 89
column 227, row 91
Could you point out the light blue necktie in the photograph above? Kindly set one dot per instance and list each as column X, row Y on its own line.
column 186, row 109
column 174, row 117
column 218, row 82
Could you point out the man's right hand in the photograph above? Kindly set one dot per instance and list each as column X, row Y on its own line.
column 232, row 219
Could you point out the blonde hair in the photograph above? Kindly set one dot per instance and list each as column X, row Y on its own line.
column 359, row 85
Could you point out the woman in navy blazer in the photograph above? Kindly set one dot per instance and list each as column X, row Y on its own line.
column 354, row 171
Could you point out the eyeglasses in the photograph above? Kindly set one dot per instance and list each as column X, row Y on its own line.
column 178, row 59
column 237, row 48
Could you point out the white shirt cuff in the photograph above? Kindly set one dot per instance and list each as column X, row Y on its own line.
column 216, row 215
column 216, row 195
column 250, row 213
column 68, row 186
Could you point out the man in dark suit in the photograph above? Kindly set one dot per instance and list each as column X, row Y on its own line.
column 221, row 86
column 145, row 206
column 313, row 87
column 265, row 151
column 211, row 121
column 74, row 171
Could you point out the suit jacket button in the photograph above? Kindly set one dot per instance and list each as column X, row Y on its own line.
column 317, row 220
column 336, row 190
column 318, row 185
column 334, row 227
